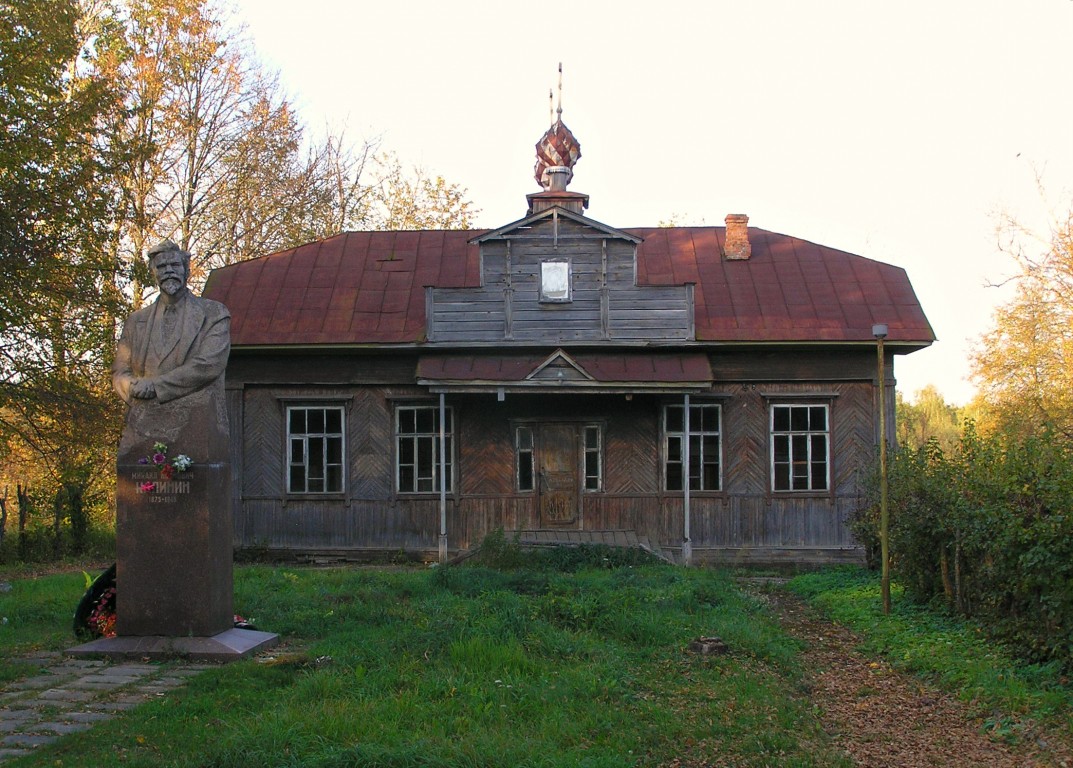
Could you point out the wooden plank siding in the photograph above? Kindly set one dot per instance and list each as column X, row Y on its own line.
column 371, row 517
column 606, row 302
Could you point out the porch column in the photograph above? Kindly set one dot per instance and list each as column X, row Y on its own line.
column 687, row 545
column 443, row 480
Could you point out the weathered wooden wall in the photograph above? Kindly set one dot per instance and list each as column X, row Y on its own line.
column 745, row 516
column 606, row 302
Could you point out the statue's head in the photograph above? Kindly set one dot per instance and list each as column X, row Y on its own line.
column 170, row 266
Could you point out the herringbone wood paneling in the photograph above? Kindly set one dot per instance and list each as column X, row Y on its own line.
column 631, row 451
column 854, row 436
column 234, row 452
column 369, row 433
column 262, row 443
column 486, row 448
column 745, row 443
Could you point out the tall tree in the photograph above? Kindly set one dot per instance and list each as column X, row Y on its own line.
column 417, row 199
column 282, row 191
column 1024, row 363
column 229, row 171
column 127, row 121
column 927, row 417
column 57, row 302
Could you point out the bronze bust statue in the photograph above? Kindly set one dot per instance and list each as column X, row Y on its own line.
column 169, row 366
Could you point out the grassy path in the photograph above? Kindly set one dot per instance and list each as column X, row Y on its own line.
column 884, row 717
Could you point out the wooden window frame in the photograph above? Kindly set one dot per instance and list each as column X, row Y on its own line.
column 586, row 452
column 524, row 455
column 669, row 434
column 419, row 438
column 304, row 438
column 809, row 434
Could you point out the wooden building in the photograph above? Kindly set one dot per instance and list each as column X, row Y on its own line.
column 711, row 391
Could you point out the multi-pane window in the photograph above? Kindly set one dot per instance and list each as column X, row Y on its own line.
column 417, row 454
column 800, row 448
column 593, row 463
column 315, row 449
column 523, row 445
column 705, row 450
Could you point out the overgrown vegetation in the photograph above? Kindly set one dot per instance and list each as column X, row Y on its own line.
column 986, row 529
column 981, row 498
column 469, row 665
column 1010, row 695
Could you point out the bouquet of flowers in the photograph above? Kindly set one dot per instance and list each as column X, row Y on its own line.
column 159, row 459
column 102, row 619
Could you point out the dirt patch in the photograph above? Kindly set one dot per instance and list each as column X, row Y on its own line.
column 881, row 717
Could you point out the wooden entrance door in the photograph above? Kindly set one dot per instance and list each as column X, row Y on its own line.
column 560, row 474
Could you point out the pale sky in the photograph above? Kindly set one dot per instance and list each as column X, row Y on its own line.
column 897, row 131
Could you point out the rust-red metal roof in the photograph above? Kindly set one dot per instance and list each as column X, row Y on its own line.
column 369, row 288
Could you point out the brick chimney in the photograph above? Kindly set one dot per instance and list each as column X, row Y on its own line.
column 737, row 239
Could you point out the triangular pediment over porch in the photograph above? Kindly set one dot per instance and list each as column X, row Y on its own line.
column 559, row 367
column 594, row 372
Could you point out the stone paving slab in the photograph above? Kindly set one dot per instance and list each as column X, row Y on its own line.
column 62, row 729
column 41, row 681
column 44, row 658
column 120, row 705
column 31, row 740
column 88, row 717
column 63, row 696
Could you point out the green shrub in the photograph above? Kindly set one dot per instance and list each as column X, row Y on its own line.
column 987, row 530
column 496, row 551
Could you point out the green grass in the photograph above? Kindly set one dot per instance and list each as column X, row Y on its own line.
column 550, row 662
column 471, row 666
column 36, row 614
column 955, row 654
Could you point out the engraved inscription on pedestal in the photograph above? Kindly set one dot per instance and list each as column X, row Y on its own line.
column 163, row 491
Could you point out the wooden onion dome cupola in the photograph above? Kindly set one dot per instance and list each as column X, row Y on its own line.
column 557, row 152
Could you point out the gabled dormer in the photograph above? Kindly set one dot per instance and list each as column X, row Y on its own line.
column 558, row 277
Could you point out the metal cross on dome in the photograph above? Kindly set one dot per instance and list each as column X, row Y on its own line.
column 557, row 148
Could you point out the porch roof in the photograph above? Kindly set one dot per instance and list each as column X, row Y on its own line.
column 562, row 371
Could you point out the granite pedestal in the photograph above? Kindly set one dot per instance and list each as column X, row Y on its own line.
column 174, row 552
column 174, row 583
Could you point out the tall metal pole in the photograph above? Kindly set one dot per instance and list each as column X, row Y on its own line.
column 687, row 542
column 880, row 332
column 443, row 481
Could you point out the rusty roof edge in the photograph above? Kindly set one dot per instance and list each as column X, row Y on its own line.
column 905, row 345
